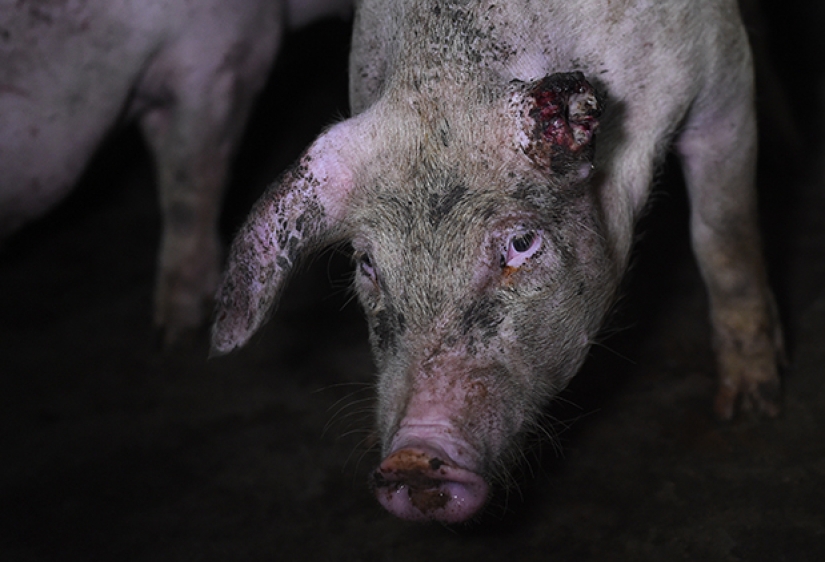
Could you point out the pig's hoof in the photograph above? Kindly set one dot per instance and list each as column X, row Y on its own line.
column 424, row 485
column 749, row 361
column 178, row 324
column 170, row 338
column 759, row 398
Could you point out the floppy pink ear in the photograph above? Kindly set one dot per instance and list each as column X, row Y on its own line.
column 301, row 212
column 559, row 115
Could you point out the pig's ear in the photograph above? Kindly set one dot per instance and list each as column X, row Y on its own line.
column 302, row 211
column 559, row 116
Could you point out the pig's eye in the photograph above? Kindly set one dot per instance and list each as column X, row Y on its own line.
column 521, row 246
column 366, row 267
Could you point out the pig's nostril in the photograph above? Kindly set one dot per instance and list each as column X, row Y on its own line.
column 421, row 485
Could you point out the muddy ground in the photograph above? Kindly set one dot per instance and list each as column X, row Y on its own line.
column 112, row 449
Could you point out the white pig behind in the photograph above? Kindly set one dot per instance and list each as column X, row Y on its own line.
column 187, row 71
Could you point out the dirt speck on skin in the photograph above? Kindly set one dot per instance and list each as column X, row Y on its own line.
column 414, row 473
column 428, row 500
column 112, row 449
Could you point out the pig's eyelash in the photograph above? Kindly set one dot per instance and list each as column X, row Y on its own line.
column 521, row 247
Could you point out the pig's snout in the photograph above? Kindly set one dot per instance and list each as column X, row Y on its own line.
column 422, row 483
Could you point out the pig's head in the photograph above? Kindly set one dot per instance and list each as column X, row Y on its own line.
column 481, row 266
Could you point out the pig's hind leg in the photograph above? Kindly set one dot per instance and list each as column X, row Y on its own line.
column 199, row 98
column 718, row 151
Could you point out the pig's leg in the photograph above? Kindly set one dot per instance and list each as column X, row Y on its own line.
column 718, row 152
column 192, row 130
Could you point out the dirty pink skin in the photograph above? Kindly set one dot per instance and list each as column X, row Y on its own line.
column 489, row 183
column 418, row 482
column 187, row 72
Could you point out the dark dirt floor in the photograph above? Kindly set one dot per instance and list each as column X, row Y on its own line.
column 114, row 450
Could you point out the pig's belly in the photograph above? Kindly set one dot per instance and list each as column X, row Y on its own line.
column 43, row 150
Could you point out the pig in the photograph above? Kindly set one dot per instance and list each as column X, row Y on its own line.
column 488, row 181
column 188, row 72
